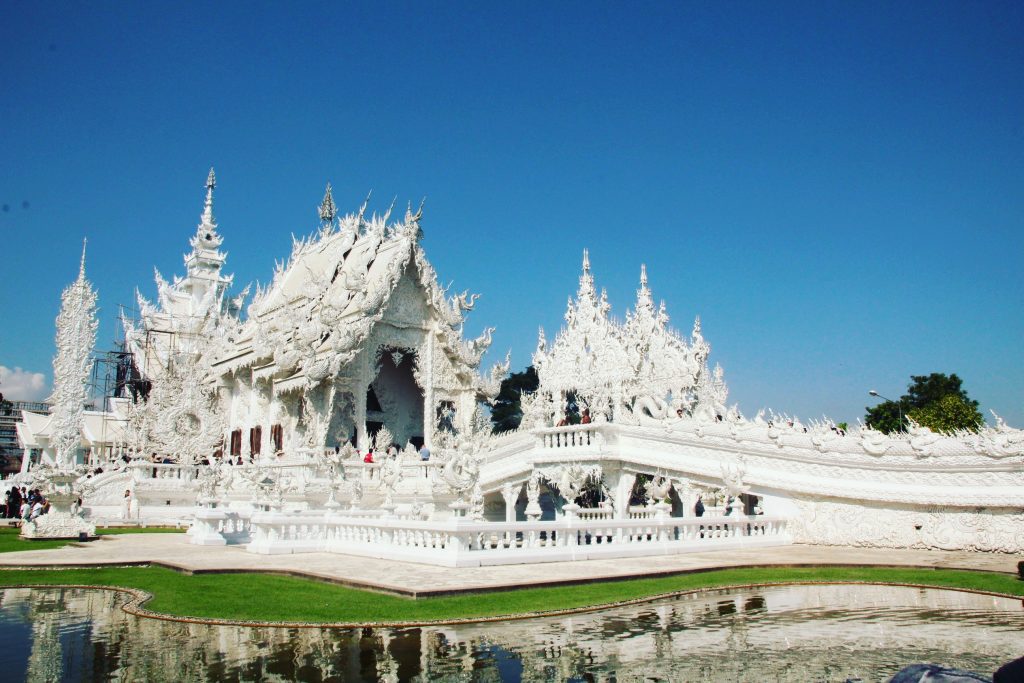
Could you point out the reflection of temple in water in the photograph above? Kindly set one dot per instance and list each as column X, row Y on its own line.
column 784, row 633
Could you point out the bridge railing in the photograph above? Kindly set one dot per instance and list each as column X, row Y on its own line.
column 459, row 542
column 571, row 436
column 142, row 470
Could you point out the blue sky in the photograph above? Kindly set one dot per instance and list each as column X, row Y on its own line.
column 836, row 188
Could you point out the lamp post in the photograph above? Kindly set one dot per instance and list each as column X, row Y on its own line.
column 899, row 406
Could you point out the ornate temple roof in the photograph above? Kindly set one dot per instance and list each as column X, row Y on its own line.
column 336, row 285
column 593, row 354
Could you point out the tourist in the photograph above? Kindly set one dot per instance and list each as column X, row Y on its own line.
column 368, row 458
column 13, row 502
column 585, row 420
column 26, row 510
column 126, row 502
column 393, row 451
column 564, row 422
column 424, row 453
column 37, row 510
column 698, row 509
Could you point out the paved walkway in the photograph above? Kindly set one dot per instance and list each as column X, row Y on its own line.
column 173, row 550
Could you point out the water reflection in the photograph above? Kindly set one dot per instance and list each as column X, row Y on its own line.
column 798, row 633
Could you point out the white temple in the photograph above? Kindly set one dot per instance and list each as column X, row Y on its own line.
column 260, row 425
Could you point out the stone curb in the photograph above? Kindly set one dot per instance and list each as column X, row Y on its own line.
column 139, row 597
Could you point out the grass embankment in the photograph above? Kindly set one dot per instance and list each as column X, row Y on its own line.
column 11, row 541
column 263, row 597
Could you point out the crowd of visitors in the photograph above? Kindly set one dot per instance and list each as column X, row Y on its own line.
column 24, row 504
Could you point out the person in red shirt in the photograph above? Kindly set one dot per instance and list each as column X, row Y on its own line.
column 369, row 457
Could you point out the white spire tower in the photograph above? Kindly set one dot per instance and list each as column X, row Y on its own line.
column 76, row 337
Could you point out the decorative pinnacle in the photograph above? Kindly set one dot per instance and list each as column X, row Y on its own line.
column 643, row 275
column 327, row 208
column 211, row 182
column 586, row 261
column 81, row 266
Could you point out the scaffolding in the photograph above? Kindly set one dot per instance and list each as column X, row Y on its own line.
column 115, row 373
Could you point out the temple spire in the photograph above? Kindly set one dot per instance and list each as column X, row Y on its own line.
column 211, row 182
column 644, row 301
column 327, row 208
column 81, row 266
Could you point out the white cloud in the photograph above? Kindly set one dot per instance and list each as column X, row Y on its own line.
column 22, row 385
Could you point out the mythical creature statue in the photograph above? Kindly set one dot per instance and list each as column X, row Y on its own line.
column 390, row 475
column 658, row 488
column 733, row 475
column 461, row 473
column 921, row 438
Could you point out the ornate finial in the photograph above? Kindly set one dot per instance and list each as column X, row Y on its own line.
column 696, row 326
column 411, row 217
column 207, row 222
column 586, row 261
column 390, row 208
column 81, row 266
column 362, row 209
column 643, row 275
column 327, row 208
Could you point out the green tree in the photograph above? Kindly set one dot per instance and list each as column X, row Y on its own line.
column 948, row 414
column 507, row 412
column 924, row 397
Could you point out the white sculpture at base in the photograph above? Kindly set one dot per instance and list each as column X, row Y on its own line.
column 76, row 336
column 63, row 519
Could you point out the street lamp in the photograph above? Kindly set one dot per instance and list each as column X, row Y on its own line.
column 899, row 406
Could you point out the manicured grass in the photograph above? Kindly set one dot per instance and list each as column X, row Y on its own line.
column 279, row 598
column 10, row 541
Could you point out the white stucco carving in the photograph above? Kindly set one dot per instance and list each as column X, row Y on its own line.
column 354, row 336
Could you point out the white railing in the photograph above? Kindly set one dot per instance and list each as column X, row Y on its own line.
column 458, row 543
column 157, row 470
column 571, row 436
column 595, row 513
column 221, row 526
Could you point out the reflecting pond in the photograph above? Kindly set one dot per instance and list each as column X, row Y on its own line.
column 792, row 633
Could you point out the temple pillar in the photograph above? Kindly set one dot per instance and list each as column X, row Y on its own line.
column 510, row 494
column 687, row 497
column 360, row 385
column 429, row 410
column 362, row 442
column 622, row 486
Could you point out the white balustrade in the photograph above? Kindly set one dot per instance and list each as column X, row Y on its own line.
column 458, row 542
column 570, row 437
column 595, row 513
column 142, row 470
column 221, row 526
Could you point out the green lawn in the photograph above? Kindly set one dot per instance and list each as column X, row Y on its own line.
column 11, row 542
column 234, row 596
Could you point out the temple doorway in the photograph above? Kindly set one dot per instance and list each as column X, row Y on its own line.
column 394, row 399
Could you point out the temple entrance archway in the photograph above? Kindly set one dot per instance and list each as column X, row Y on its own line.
column 397, row 401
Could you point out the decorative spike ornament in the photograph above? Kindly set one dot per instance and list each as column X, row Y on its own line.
column 327, row 208
column 208, row 220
